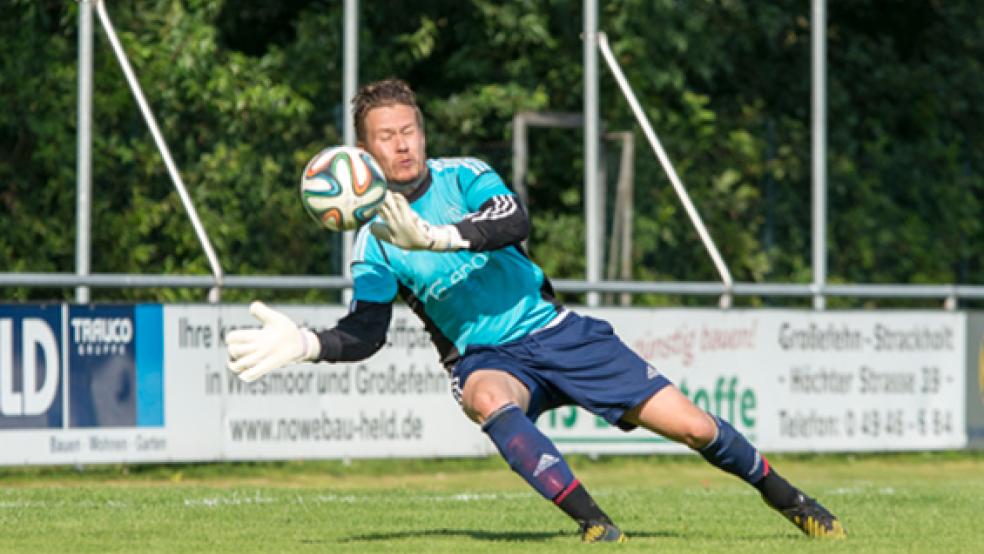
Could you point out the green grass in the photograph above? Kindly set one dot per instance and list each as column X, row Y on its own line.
column 889, row 503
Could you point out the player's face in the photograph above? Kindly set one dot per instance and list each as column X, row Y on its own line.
column 395, row 139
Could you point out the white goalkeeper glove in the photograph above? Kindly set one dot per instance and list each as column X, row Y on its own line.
column 404, row 228
column 280, row 342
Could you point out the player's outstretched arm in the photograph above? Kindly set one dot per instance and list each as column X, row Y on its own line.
column 280, row 342
column 358, row 335
column 402, row 227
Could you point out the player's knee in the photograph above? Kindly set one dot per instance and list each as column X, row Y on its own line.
column 699, row 431
column 482, row 403
column 486, row 392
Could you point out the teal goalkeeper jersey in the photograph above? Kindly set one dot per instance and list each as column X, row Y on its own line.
column 490, row 297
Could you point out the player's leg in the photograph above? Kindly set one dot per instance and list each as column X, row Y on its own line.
column 499, row 401
column 673, row 415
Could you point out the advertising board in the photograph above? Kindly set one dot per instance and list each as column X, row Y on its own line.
column 141, row 383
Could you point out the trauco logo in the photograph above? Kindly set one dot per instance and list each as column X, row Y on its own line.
column 438, row 290
column 96, row 336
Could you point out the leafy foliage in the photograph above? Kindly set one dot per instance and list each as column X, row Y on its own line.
column 246, row 91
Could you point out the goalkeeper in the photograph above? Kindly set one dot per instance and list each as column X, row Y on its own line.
column 447, row 241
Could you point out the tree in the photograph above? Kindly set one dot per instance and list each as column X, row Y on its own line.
column 246, row 91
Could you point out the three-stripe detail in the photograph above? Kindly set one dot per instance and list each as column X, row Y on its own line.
column 502, row 206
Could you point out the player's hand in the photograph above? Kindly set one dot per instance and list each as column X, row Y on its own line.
column 404, row 228
column 280, row 342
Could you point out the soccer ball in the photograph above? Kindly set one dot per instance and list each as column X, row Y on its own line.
column 342, row 186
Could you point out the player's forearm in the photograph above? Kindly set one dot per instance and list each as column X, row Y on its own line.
column 338, row 346
column 501, row 221
column 358, row 335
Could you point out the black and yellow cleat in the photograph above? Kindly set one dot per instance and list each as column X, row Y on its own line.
column 601, row 531
column 813, row 519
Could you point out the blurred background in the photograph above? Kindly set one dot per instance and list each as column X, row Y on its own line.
column 125, row 390
column 246, row 91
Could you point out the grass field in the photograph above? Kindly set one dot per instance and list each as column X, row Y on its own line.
column 889, row 503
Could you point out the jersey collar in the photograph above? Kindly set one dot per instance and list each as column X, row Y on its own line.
column 421, row 188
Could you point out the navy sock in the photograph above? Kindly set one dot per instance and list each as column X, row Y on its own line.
column 535, row 458
column 732, row 452
column 528, row 451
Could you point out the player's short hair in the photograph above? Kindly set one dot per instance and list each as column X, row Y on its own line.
column 387, row 92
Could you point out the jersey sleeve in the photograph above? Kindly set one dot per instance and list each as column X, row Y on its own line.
column 479, row 183
column 374, row 280
column 362, row 331
column 358, row 335
column 496, row 218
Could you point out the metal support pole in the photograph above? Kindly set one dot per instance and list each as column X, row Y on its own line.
column 350, row 80
column 520, row 159
column 522, row 121
column 664, row 160
column 83, row 201
column 620, row 245
column 131, row 78
column 592, row 209
column 818, row 38
column 333, row 282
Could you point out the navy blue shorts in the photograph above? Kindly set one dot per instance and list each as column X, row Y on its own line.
column 579, row 361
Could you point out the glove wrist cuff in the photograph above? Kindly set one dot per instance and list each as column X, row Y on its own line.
column 449, row 238
column 310, row 345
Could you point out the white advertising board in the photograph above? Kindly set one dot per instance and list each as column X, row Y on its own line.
column 797, row 380
column 397, row 403
column 148, row 383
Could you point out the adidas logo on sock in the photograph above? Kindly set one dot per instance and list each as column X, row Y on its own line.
column 546, row 462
